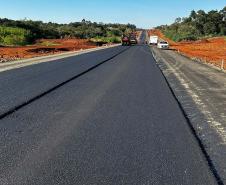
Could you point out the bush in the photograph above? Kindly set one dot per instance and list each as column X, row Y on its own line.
column 223, row 30
column 13, row 36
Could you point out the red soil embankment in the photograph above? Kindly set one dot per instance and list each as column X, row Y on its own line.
column 44, row 47
column 211, row 50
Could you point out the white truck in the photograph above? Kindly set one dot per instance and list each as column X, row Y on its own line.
column 153, row 40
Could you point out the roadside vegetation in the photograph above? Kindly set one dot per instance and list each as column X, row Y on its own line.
column 198, row 25
column 13, row 36
column 24, row 32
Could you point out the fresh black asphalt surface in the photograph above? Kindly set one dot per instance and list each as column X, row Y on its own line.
column 117, row 124
column 20, row 85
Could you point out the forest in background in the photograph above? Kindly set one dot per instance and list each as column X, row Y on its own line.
column 23, row 32
column 199, row 24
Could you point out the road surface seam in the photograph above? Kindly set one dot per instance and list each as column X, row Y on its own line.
column 17, row 107
column 199, row 141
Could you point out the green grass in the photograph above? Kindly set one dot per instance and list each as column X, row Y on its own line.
column 106, row 39
column 48, row 43
column 177, row 37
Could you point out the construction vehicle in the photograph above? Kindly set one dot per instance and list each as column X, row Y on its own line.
column 131, row 39
column 125, row 40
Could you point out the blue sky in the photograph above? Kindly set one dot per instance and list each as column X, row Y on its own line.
column 143, row 13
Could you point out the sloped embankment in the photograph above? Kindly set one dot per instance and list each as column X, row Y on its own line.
column 211, row 50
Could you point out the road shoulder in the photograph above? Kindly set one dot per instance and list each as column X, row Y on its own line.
column 200, row 90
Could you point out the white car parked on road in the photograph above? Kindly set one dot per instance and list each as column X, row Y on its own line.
column 163, row 45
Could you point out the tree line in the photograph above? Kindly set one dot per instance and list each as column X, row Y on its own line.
column 199, row 24
column 20, row 32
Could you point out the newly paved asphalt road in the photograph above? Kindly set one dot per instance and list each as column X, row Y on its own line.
column 117, row 124
column 20, row 85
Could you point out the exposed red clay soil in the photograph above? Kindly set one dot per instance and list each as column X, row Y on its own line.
column 44, row 47
column 211, row 50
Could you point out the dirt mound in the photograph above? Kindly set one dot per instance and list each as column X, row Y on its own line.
column 47, row 50
column 203, row 41
column 44, row 47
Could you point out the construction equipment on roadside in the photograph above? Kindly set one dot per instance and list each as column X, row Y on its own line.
column 129, row 40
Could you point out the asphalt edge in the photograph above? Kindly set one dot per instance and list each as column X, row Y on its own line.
column 23, row 104
column 191, row 127
column 5, row 66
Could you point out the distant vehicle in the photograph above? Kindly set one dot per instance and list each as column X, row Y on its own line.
column 153, row 40
column 163, row 45
column 132, row 39
column 125, row 41
column 129, row 40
